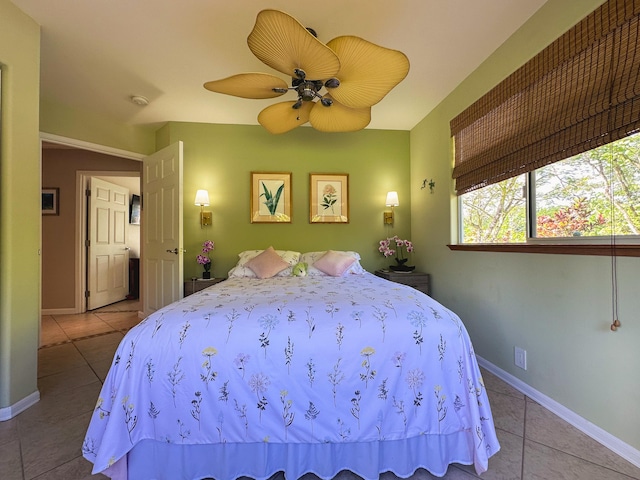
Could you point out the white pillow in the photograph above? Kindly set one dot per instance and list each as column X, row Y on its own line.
column 241, row 270
column 311, row 257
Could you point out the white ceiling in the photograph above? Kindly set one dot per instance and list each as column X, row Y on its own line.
column 96, row 54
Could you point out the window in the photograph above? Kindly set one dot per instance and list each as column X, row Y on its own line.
column 590, row 195
column 495, row 214
column 565, row 124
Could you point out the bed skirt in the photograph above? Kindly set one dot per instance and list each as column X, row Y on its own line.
column 151, row 459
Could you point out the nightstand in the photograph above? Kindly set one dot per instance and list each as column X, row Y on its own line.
column 418, row 280
column 193, row 286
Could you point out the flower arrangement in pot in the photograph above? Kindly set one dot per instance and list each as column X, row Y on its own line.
column 204, row 260
column 400, row 248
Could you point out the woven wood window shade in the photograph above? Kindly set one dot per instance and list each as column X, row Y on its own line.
column 580, row 92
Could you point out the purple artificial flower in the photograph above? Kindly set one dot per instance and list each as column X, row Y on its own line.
column 387, row 251
column 203, row 259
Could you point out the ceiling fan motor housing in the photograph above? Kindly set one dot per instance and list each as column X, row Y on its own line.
column 308, row 89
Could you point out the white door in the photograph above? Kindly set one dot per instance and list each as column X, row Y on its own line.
column 162, row 228
column 108, row 254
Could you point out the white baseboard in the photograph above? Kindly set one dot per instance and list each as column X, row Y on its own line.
column 59, row 311
column 601, row 436
column 7, row 413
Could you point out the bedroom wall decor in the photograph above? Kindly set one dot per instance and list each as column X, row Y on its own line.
column 50, row 201
column 329, row 198
column 270, row 197
column 431, row 184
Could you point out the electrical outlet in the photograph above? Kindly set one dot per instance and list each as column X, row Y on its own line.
column 521, row 358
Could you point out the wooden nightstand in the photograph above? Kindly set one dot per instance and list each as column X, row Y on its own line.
column 193, row 286
column 418, row 280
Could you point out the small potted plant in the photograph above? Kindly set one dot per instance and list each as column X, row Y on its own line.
column 396, row 246
column 204, row 260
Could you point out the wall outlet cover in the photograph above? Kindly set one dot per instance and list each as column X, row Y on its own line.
column 521, row 358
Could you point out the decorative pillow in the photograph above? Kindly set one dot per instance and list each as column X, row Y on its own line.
column 267, row 263
column 311, row 257
column 241, row 269
column 334, row 263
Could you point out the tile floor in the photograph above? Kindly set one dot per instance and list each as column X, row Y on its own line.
column 44, row 442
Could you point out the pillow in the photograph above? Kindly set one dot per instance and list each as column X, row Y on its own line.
column 288, row 256
column 241, row 270
column 334, row 263
column 311, row 257
column 267, row 264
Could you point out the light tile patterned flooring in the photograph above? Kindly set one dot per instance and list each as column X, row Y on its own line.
column 76, row 351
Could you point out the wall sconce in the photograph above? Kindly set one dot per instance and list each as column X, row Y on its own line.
column 392, row 201
column 202, row 199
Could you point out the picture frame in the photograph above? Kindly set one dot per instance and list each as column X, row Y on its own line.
column 134, row 210
column 271, row 197
column 329, row 198
column 50, row 201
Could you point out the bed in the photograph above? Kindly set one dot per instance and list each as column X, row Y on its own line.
column 333, row 369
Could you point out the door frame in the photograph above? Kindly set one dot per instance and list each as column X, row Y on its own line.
column 80, row 257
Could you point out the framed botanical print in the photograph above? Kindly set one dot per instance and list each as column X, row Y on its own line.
column 50, row 201
column 329, row 198
column 270, row 197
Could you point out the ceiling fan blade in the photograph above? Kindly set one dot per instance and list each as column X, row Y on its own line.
column 338, row 117
column 284, row 44
column 367, row 72
column 281, row 117
column 248, row 85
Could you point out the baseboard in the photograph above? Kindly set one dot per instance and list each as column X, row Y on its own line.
column 7, row 413
column 59, row 311
column 601, row 436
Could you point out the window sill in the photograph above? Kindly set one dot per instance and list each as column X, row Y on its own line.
column 599, row 250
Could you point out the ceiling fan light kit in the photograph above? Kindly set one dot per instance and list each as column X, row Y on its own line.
column 336, row 84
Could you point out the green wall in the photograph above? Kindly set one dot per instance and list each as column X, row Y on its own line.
column 556, row 307
column 19, row 200
column 220, row 159
column 70, row 122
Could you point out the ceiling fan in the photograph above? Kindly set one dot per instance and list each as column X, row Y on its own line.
column 354, row 73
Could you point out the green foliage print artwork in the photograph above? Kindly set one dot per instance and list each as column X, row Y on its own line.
column 270, row 197
column 270, row 200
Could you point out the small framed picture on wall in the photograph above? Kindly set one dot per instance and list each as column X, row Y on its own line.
column 270, row 197
column 329, row 198
column 50, row 201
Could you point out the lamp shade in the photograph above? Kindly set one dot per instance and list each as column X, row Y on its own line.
column 392, row 199
column 202, row 198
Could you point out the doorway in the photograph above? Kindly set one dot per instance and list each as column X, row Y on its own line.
column 64, row 162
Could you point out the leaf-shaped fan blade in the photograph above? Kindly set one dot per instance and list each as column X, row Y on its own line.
column 368, row 71
column 281, row 117
column 284, row 44
column 339, row 118
column 248, row 85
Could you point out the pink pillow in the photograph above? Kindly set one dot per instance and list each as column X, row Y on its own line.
column 267, row 264
column 334, row 263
